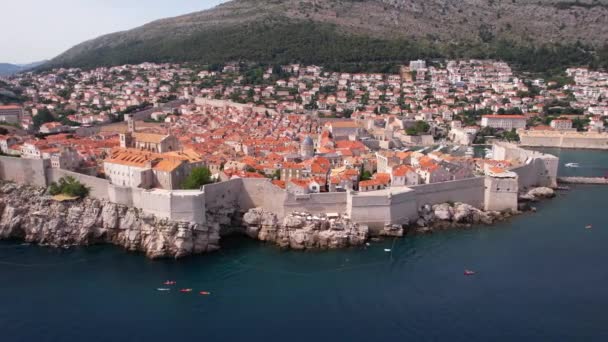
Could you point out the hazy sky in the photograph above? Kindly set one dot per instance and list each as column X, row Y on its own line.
column 34, row 30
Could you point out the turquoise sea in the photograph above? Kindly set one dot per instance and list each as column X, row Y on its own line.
column 539, row 277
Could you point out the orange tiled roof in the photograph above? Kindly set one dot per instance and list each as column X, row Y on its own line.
column 150, row 137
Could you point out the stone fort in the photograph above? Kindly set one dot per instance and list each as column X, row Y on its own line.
column 395, row 205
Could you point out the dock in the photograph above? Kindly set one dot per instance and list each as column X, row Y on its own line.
column 582, row 180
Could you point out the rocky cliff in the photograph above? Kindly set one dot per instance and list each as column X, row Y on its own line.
column 27, row 213
column 304, row 231
column 457, row 215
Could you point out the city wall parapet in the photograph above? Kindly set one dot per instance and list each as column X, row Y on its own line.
column 396, row 205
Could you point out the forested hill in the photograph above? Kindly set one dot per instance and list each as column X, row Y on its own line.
column 536, row 34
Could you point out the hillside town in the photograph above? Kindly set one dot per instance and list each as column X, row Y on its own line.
column 307, row 129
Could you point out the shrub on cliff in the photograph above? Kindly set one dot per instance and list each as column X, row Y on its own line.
column 68, row 186
column 197, row 178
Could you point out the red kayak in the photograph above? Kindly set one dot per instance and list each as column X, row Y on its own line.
column 205, row 293
column 185, row 290
column 468, row 272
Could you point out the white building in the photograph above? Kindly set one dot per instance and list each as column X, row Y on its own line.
column 561, row 124
column 404, row 175
column 417, row 65
column 11, row 114
column 506, row 122
column 596, row 123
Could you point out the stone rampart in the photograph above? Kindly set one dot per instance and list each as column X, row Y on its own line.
column 396, row 205
column 25, row 171
column 591, row 140
column 333, row 202
column 98, row 186
column 470, row 191
column 261, row 193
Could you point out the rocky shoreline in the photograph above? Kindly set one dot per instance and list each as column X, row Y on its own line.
column 303, row 230
column 27, row 213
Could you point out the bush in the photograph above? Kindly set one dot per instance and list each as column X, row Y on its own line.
column 420, row 127
column 197, row 178
column 68, row 186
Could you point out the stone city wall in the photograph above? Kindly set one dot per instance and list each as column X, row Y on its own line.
column 396, row 205
column 223, row 195
column 501, row 193
column 98, row 186
column 535, row 169
column 19, row 170
column 470, row 191
column 261, row 193
column 332, row 202
column 378, row 208
column 565, row 139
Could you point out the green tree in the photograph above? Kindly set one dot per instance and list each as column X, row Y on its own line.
column 511, row 135
column 420, row 127
column 366, row 175
column 197, row 178
column 43, row 116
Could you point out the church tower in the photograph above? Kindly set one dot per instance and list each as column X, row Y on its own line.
column 130, row 123
column 126, row 139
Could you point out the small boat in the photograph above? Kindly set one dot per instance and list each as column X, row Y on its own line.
column 387, row 250
column 572, row 165
column 163, row 289
column 185, row 290
column 205, row 293
column 169, row 282
column 468, row 272
column 588, row 226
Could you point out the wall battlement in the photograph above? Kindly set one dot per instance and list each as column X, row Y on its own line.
column 396, row 205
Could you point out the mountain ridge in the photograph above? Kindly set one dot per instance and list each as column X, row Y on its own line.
column 436, row 28
column 7, row 69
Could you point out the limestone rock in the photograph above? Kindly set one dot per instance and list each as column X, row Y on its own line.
column 29, row 214
column 303, row 231
column 540, row 193
column 392, row 230
column 457, row 215
column 443, row 211
column 462, row 212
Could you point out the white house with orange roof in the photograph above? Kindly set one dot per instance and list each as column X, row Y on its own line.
column 144, row 169
column 404, row 175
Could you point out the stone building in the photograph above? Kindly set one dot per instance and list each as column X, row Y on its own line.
column 11, row 114
column 152, row 142
column 506, row 122
column 143, row 169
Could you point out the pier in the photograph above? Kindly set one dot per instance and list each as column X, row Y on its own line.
column 582, row 180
